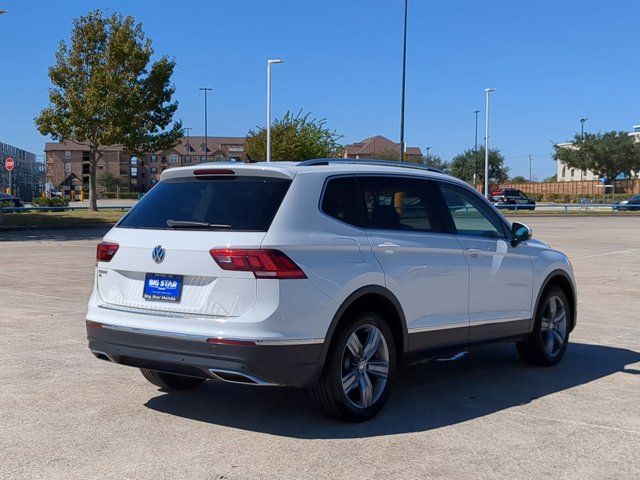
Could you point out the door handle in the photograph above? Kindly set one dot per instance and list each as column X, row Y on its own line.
column 388, row 247
column 473, row 252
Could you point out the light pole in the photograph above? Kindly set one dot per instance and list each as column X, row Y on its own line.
column 270, row 62
column 404, row 80
column 428, row 148
column 582, row 120
column 206, row 134
column 487, row 92
column 475, row 153
column 530, row 158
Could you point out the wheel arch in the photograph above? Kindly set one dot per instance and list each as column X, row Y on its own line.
column 563, row 280
column 377, row 298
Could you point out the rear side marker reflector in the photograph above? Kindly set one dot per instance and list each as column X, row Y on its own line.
column 106, row 251
column 264, row 263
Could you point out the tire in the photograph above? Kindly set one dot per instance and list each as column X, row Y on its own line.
column 547, row 344
column 170, row 381
column 367, row 365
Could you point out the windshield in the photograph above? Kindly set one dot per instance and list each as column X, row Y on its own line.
column 225, row 203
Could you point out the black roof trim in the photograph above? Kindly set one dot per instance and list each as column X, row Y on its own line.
column 354, row 161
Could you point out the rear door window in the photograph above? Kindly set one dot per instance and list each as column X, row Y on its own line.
column 400, row 203
column 245, row 203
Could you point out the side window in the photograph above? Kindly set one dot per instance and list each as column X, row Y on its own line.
column 396, row 203
column 341, row 201
column 470, row 215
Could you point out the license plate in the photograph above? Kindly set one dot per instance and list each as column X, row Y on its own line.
column 164, row 288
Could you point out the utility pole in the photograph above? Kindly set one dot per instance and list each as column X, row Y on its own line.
column 475, row 153
column 206, row 134
column 404, row 80
column 530, row 158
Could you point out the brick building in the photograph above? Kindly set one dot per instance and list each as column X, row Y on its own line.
column 68, row 161
column 379, row 146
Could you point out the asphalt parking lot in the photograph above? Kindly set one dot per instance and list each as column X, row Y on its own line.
column 65, row 414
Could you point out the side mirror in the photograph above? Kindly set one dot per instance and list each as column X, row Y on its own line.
column 520, row 233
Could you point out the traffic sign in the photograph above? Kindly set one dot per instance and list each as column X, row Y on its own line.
column 9, row 164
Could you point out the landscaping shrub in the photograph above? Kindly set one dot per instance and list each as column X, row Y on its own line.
column 50, row 202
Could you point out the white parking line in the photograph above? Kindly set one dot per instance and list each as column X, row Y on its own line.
column 607, row 253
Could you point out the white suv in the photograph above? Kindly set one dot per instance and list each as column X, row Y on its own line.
column 324, row 274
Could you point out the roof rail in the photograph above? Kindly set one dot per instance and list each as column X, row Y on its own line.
column 369, row 161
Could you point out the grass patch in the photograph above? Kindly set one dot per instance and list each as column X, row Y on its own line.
column 78, row 218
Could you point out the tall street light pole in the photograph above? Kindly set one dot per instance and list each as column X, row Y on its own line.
column 475, row 153
column 269, row 63
column 582, row 120
column 487, row 93
column 206, row 133
column 404, row 80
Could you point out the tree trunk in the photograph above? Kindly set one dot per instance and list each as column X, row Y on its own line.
column 93, row 190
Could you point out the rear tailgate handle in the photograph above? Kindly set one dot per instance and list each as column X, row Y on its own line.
column 473, row 252
column 388, row 247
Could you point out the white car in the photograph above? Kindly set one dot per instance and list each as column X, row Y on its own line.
column 323, row 274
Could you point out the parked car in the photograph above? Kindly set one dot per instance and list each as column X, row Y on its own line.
column 632, row 203
column 15, row 201
column 512, row 199
column 323, row 274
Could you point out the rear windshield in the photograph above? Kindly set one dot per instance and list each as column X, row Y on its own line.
column 225, row 203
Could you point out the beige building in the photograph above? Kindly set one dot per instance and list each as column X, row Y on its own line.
column 68, row 161
column 375, row 147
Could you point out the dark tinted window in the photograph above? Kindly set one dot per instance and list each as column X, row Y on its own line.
column 232, row 203
column 398, row 203
column 469, row 213
column 341, row 201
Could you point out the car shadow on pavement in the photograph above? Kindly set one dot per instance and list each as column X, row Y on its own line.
column 427, row 396
column 58, row 235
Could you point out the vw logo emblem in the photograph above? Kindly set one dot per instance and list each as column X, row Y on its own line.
column 158, row 254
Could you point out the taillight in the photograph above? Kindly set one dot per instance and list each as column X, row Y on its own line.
column 262, row 262
column 106, row 251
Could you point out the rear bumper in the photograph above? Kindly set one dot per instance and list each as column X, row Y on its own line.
column 295, row 364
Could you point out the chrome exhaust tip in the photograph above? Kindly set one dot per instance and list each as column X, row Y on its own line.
column 102, row 355
column 230, row 376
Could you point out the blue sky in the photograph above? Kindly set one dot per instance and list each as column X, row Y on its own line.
column 552, row 63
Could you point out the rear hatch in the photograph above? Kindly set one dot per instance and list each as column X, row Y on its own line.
column 162, row 261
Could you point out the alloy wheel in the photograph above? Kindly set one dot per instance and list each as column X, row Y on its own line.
column 554, row 326
column 365, row 366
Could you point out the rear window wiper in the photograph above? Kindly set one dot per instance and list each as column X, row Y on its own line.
column 195, row 224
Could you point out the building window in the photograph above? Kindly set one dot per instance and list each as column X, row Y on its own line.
column 573, row 172
column 187, row 159
column 203, row 159
column 67, row 154
column 154, row 170
column 153, row 181
column 154, row 158
column 173, row 158
column 564, row 171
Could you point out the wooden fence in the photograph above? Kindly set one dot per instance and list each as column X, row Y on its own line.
column 582, row 187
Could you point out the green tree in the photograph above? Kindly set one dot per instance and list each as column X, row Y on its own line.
column 467, row 163
column 436, row 162
column 105, row 91
column 552, row 178
column 294, row 137
column 606, row 154
column 110, row 181
column 518, row 179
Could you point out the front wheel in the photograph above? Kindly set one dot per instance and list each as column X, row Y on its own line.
column 547, row 344
column 359, row 370
column 171, row 381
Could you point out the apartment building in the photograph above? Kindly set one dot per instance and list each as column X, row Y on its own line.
column 26, row 175
column 68, row 161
